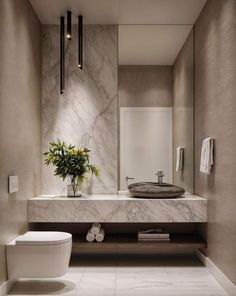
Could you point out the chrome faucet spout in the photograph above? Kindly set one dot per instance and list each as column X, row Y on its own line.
column 127, row 180
column 160, row 175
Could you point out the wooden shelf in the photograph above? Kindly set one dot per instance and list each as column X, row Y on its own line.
column 129, row 242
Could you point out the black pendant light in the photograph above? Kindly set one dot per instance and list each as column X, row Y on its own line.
column 62, row 54
column 69, row 26
column 80, row 41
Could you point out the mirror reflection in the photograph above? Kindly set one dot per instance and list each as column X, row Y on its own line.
column 155, row 91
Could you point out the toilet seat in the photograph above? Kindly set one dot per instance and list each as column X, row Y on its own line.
column 43, row 238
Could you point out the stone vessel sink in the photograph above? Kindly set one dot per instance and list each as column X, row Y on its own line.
column 155, row 190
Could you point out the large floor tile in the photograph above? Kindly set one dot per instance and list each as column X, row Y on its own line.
column 158, row 281
column 151, row 292
column 99, row 283
column 127, row 275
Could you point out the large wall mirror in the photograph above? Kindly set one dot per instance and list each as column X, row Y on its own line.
column 155, row 94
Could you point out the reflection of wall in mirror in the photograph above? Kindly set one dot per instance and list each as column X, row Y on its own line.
column 183, row 114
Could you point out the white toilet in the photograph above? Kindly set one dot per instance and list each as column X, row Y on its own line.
column 39, row 254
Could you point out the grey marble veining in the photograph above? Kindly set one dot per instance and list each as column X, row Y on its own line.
column 117, row 208
column 86, row 115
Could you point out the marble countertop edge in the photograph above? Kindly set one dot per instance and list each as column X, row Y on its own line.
column 117, row 197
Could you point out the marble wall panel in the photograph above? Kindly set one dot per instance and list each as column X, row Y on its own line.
column 86, row 114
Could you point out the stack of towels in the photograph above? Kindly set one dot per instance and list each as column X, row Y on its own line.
column 95, row 233
column 207, row 156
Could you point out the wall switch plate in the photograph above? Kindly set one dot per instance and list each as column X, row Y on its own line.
column 12, row 184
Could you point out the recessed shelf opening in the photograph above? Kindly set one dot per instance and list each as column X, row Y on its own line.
column 130, row 242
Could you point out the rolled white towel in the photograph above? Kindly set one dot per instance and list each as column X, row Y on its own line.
column 100, row 236
column 90, row 237
column 95, row 228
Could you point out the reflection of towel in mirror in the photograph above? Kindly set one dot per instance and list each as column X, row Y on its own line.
column 206, row 156
column 179, row 159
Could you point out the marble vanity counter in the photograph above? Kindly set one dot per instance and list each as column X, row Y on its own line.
column 117, row 209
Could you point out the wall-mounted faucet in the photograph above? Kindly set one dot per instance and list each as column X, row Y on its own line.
column 160, row 175
column 127, row 180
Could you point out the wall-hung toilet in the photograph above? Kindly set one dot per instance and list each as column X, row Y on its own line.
column 39, row 254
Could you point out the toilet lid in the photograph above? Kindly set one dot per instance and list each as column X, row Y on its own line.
column 40, row 238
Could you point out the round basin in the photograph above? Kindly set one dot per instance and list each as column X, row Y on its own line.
column 155, row 190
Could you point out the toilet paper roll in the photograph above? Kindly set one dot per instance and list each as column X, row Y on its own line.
column 100, row 236
column 95, row 228
column 90, row 237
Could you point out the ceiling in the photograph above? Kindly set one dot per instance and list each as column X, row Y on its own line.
column 170, row 22
column 121, row 11
column 151, row 44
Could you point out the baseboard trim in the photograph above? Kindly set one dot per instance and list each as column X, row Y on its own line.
column 5, row 287
column 225, row 282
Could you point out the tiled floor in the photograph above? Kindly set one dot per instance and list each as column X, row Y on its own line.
column 128, row 275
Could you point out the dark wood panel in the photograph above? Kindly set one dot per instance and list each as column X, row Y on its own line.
column 129, row 242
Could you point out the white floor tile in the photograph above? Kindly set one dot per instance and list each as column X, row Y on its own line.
column 74, row 274
column 158, row 281
column 97, row 283
column 160, row 278
column 171, row 293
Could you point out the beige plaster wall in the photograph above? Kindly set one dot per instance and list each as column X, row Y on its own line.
column 145, row 86
column 183, row 114
column 215, row 116
column 20, row 116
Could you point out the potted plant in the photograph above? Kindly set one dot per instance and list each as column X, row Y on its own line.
column 72, row 162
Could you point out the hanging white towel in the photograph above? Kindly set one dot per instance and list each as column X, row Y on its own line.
column 206, row 162
column 179, row 159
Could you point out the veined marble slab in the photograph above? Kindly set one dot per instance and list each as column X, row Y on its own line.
column 86, row 114
column 117, row 209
